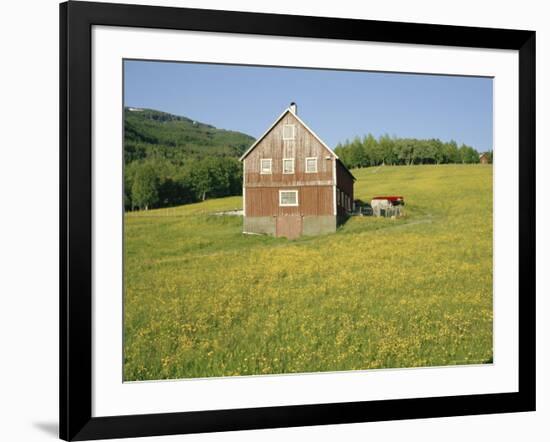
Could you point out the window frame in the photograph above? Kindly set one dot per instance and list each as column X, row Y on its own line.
column 293, row 126
column 78, row 316
column 270, row 166
column 295, row 191
column 316, row 165
column 293, row 166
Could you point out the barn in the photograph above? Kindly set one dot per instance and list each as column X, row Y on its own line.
column 293, row 183
column 484, row 158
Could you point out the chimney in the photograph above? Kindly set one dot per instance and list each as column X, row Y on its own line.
column 293, row 108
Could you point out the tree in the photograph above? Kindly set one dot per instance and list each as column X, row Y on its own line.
column 386, row 144
column 145, row 186
column 468, row 155
column 128, row 180
column 200, row 178
column 215, row 177
column 439, row 153
column 343, row 153
column 451, row 150
column 405, row 151
column 372, row 155
column 357, row 156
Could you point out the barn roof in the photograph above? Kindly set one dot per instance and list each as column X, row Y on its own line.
column 389, row 198
column 279, row 118
column 287, row 110
column 345, row 168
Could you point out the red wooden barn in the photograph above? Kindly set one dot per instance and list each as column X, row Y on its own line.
column 293, row 183
column 484, row 158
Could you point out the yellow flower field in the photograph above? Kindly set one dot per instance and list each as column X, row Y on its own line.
column 202, row 299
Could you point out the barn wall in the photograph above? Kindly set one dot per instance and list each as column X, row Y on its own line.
column 344, row 179
column 312, row 200
column 315, row 190
column 344, row 182
column 273, row 146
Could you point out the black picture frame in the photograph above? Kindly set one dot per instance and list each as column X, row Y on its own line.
column 76, row 21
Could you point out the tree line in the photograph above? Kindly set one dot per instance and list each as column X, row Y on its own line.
column 370, row 151
column 171, row 160
column 159, row 182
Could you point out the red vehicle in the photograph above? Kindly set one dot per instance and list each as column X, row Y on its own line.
column 393, row 200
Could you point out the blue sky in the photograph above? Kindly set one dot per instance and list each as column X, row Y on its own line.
column 337, row 105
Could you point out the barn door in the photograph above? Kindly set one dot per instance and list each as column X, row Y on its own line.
column 289, row 226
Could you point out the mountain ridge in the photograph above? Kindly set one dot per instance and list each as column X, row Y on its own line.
column 150, row 131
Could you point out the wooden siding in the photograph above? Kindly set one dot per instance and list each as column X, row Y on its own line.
column 312, row 200
column 273, row 146
column 344, row 179
column 484, row 159
column 316, row 190
column 345, row 184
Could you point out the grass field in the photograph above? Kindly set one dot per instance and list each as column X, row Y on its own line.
column 204, row 300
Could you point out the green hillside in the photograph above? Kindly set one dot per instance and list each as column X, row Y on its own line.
column 202, row 299
column 171, row 160
column 149, row 132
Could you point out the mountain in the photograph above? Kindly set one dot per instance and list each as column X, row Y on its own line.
column 152, row 133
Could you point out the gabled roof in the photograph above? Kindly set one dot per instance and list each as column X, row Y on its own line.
column 279, row 118
column 251, row 148
column 346, row 169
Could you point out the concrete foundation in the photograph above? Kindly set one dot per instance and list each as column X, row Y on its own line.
column 311, row 225
column 260, row 224
column 318, row 225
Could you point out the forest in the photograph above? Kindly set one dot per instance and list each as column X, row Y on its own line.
column 370, row 151
column 172, row 160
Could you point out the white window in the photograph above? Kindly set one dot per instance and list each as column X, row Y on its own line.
column 311, row 165
column 289, row 131
column 265, row 166
column 288, row 198
column 288, row 165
